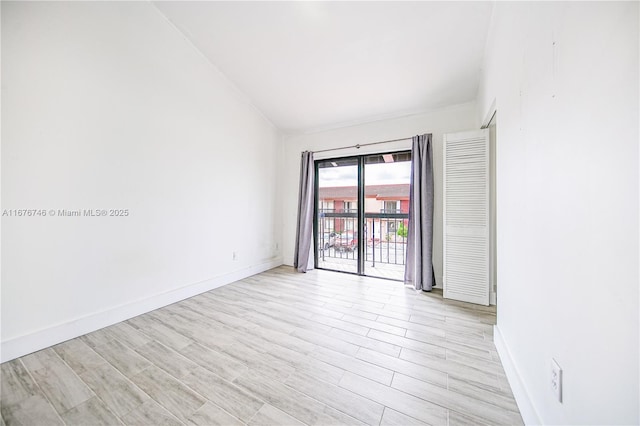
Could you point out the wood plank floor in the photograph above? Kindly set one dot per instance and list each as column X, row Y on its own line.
column 278, row 348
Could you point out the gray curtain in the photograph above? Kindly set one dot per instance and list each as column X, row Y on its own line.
column 419, row 267
column 304, row 225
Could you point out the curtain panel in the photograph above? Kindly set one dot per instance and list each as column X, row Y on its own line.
column 419, row 266
column 304, row 224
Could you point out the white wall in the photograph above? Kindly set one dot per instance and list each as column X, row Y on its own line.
column 438, row 122
column 106, row 105
column 564, row 77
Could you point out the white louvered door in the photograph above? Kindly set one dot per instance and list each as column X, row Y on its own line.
column 466, row 258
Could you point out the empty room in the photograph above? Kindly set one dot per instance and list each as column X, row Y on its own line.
column 320, row 213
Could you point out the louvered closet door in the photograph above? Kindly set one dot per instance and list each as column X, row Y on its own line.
column 466, row 217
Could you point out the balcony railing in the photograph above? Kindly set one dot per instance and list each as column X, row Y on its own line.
column 383, row 235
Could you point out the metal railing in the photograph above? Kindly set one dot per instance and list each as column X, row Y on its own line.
column 383, row 234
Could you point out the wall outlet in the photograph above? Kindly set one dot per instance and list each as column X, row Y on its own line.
column 235, row 255
column 556, row 380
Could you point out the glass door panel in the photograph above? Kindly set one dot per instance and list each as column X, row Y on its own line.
column 386, row 214
column 337, row 215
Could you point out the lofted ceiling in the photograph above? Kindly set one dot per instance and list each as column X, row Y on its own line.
column 313, row 65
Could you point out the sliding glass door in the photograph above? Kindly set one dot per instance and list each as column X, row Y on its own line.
column 337, row 214
column 362, row 213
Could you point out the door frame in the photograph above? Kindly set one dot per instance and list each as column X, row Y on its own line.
column 360, row 217
column 489, row 122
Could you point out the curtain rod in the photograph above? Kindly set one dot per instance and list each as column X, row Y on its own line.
column 357, row 146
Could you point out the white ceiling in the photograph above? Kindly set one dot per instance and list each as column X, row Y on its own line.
column 313, row 65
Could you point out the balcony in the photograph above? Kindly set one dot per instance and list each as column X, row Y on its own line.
column 385, row 252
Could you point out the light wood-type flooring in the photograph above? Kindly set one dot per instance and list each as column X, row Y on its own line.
column 278, row 348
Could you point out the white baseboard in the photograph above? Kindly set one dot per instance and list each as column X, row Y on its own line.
column 26, row 344
column 525, row 405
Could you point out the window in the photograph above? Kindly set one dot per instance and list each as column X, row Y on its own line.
column 327, row 206
column 391, row 207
